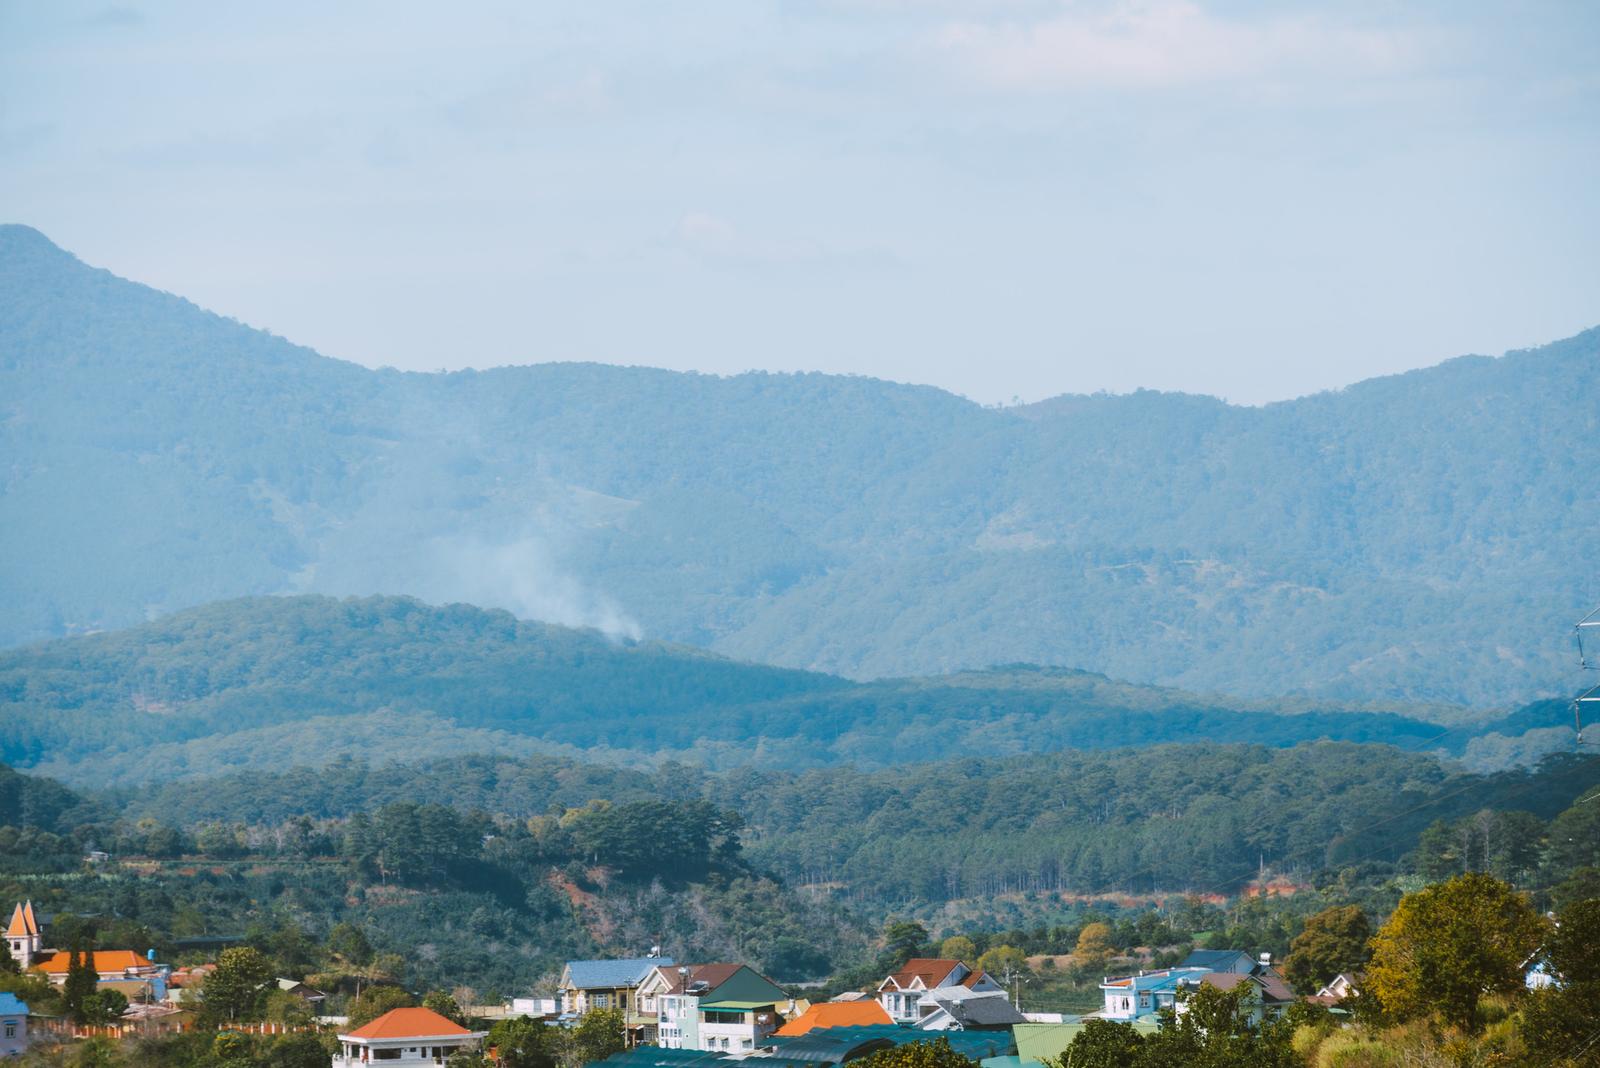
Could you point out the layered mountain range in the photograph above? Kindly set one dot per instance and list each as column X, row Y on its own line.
column 1425, row 537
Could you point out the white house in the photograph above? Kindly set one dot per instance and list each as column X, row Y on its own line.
column 13, row 1026
column 900, row 993
column 729, row 1008
column 405, row 1038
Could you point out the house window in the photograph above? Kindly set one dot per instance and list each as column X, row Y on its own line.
column 11, row 1029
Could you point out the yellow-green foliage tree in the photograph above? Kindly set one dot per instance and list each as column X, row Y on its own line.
column 1094, row 947
column 958, row 947
column 1447, row 946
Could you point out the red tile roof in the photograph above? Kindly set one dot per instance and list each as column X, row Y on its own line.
column 713, row 975
column 409, row 1023
column 836, row 1014
column 931, row 970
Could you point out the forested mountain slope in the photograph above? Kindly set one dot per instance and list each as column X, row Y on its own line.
column 1191, row 817
column 273, row 682
column 1425, row 536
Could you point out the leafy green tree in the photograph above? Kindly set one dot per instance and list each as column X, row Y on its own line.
column 1002, row 962
column 597, row 1036
column 298, row 1051
column 1573, row 948
column 1560, row 1023
column 935, row 1054
column 1102, row 1044
column 97, row 1052
column 522, row 1043
column 103, row 1007
column 958, row 947
column 81, row 982
column 904, row 938
column 1215, row 1030
column 236, row 989
column 1574, row 838
column 374, row 1002
column 444, row 1005
column 1333, row 941
column 1448, row 945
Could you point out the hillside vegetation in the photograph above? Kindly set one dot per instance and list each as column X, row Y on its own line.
column 270, row 683
column 1420, row 537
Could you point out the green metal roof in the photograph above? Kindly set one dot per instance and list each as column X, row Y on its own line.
column 1047, row 1041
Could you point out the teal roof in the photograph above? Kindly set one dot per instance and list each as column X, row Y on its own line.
column 836, row 1045
column 1009, row 1062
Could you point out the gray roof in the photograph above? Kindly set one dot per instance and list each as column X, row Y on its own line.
column 611, row 974
column 991, row 1011
column 1236, row 961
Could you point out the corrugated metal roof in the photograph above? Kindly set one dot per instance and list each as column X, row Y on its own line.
column 610, row 974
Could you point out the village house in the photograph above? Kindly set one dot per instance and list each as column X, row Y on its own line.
column 603, row 984
column 900, row 993
column 726, row 1008
column 1129, row 997
column 24, row 940
column 1338, row 988
column 1267, row 995
column 404, row 1037
column 13, row 1026
column 308, row 994
column 958, row 1008
column 120, row 969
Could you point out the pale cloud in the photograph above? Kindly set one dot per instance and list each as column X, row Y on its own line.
column 1145, row 44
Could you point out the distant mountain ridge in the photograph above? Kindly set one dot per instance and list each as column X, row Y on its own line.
column 1426, row 536
column 272, row 683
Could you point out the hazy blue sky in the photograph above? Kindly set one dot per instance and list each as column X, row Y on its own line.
column 1006, row 199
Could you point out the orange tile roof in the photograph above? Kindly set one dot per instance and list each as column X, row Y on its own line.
column 836, row 1014
column 931, row 970
column 23, row 924
column 101, row 960
column 409, row 1023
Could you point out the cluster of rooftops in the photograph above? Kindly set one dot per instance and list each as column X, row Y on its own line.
column 687, row 1015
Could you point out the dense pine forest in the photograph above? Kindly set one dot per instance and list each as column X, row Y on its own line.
column 533, row 861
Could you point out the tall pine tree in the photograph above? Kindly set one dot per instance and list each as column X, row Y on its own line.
column 82, row 979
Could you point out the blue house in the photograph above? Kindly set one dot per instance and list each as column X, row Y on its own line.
column 13, row 1026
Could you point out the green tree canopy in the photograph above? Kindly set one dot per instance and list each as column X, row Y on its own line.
column 1447, row 946
column 1333, row 941
column 1102, row 1044
column 935, row 1054
column 523, row 1043
column 374, row 1002
column 236, row 989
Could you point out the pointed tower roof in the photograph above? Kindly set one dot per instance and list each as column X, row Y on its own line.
column 23, row 924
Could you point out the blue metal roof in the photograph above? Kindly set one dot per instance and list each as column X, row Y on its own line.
column 1236, row 961
column 1166, row 979
column 610, row 974
column 10, row 1006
